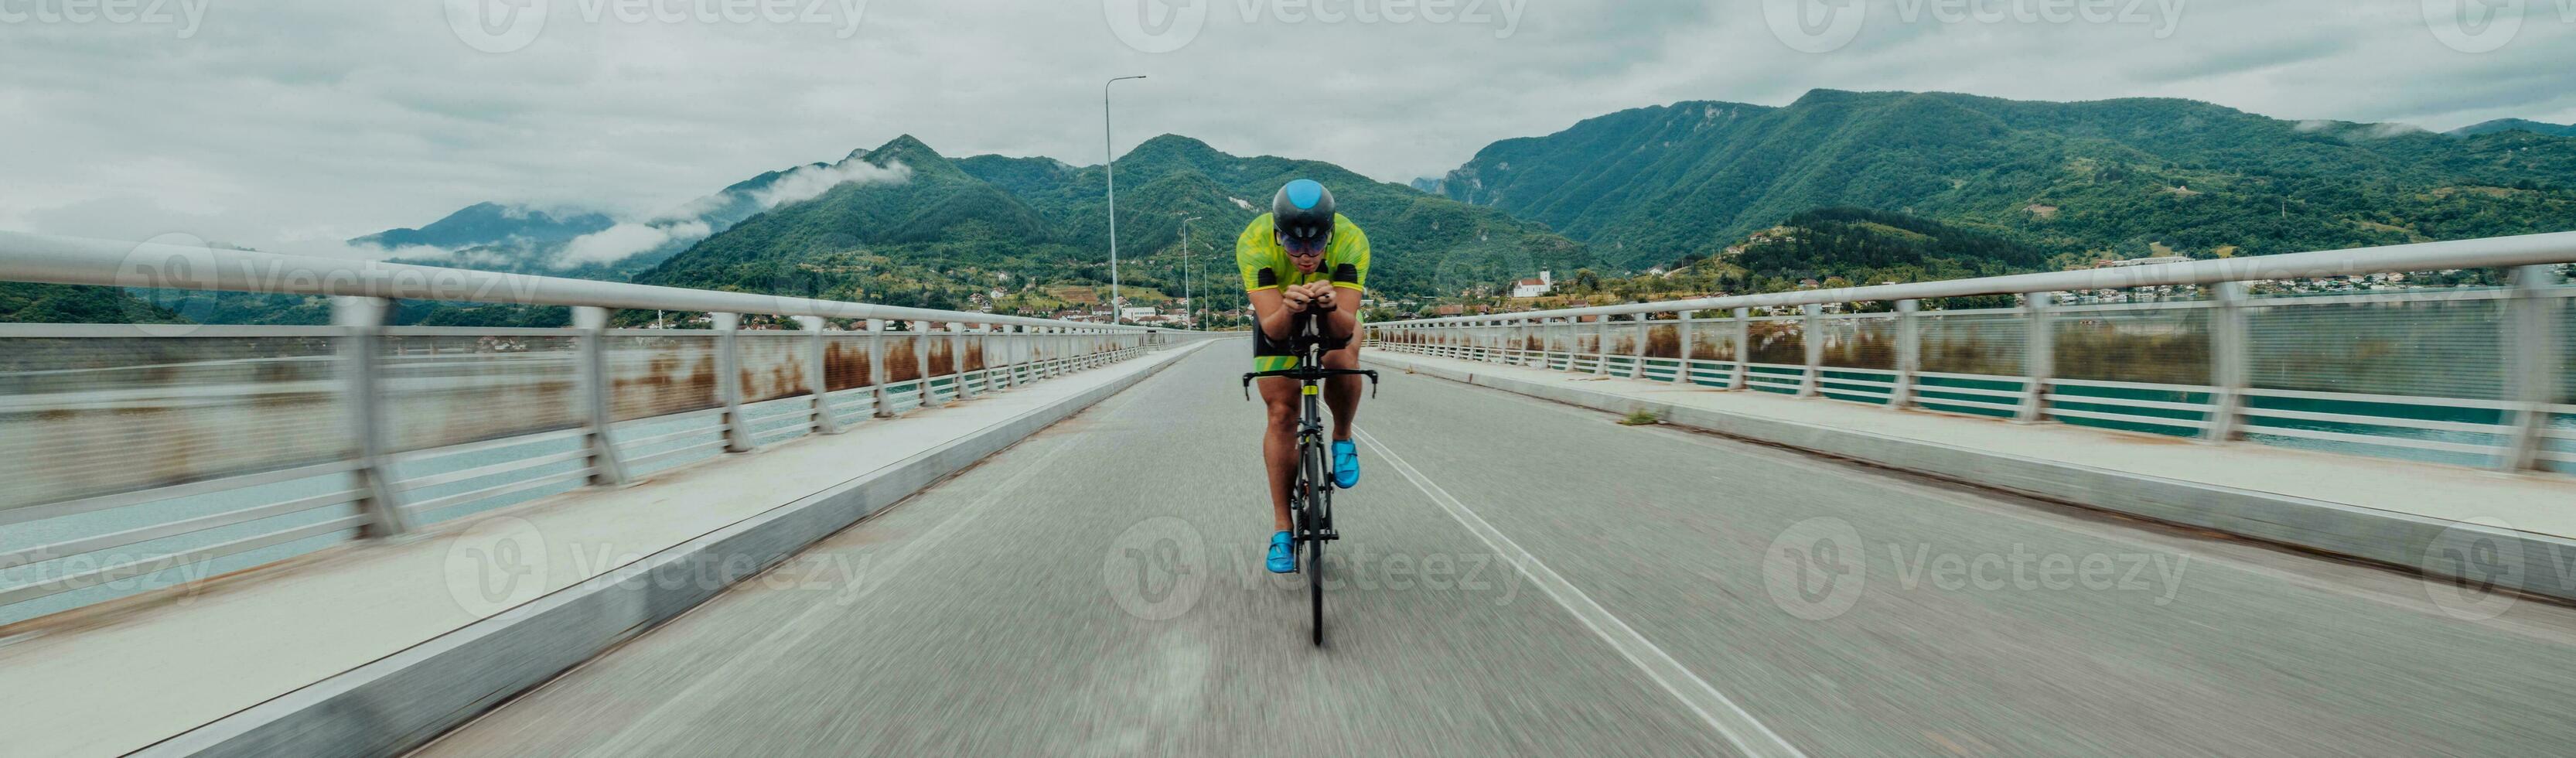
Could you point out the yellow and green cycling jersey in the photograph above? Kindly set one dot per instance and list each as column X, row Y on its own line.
column 1266, row 266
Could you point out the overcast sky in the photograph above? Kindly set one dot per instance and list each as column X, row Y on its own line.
column 288, row 124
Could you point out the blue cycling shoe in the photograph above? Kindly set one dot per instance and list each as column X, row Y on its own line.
column 1346, row 464
column 1283, row 554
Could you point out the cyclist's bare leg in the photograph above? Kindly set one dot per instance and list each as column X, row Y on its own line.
column 1342, row 393
column 1279, row 443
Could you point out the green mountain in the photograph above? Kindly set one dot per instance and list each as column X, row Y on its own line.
column 953, row 232
column 2515, row 125
column 28, row 302
column 2118, row 177
column 491, row 224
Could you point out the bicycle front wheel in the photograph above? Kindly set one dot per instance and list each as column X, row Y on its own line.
column 1315, row 585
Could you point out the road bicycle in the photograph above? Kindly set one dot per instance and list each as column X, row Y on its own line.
column 1310, row 493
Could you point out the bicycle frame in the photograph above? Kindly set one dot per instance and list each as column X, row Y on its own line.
column 1310, row 489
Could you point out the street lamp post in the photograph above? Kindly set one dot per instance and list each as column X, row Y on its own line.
column 1116, row 304
column 1185, row 271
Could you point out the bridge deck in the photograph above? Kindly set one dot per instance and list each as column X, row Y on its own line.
column 1096, row 591
column 112, row 682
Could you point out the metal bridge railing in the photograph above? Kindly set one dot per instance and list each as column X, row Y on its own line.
column 2469, row 375
column 141, row 456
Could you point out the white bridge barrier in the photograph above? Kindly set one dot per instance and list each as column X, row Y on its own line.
column 146, row 455
column 2222, row 349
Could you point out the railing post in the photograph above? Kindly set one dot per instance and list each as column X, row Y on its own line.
column 920, row 332
column 2041, row 363
column 597, row 411
column 1049, row 346
column 1682, row 335
column 1811, row 383
column 2532, row 338
column 877, row 373
column 729, row 381
column 1512, row 335
column 1520, row 344
column 1645, row 333
column 1909, row 353
column 2229, row 354
column 957, row 359
column 1601, row 345
column 362, row 321
column 817, row 363
column 997, row 357
column 1743, row 379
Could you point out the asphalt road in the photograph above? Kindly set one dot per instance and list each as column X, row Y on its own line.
column 1523, row 578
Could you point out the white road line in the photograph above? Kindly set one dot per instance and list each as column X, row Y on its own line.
column 1722, row 714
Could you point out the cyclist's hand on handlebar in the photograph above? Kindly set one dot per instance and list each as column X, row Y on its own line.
column 1295, row 298
column 1323, row 295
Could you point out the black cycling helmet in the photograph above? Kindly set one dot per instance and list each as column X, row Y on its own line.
column 1302, row 214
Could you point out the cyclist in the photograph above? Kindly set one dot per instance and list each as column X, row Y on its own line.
column 1302, row 260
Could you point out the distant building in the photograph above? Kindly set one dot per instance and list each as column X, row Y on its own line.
column 2161, row 259
column 1539, row 287
column 1137, row 311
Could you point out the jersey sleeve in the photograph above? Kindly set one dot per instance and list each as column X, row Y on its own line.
column 1351, row 272
column 1252, row 255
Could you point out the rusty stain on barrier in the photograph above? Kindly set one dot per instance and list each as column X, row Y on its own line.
column 942, row 363
column 845, row 365
column 975, row 355
column 901, row 366
column 663, row 387
column 771, row 366
column 1779, row 342
column 1863, row 344
column 1663, row 341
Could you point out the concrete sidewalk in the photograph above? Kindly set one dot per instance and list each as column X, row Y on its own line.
column 341, row 651
column 2389, row 511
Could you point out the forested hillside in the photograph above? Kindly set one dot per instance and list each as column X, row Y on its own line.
column 1037, row 230
column 1653, row 185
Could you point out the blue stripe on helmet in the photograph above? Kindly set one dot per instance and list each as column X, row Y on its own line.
column 1305, row 193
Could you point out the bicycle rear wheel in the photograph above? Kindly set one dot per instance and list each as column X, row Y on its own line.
column 1315, row 585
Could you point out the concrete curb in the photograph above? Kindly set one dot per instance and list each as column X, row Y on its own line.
column 2535, row 563
column 406, row 699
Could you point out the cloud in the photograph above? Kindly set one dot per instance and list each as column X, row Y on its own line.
column 809, row 182
column 274, row 123
column 624, row 240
